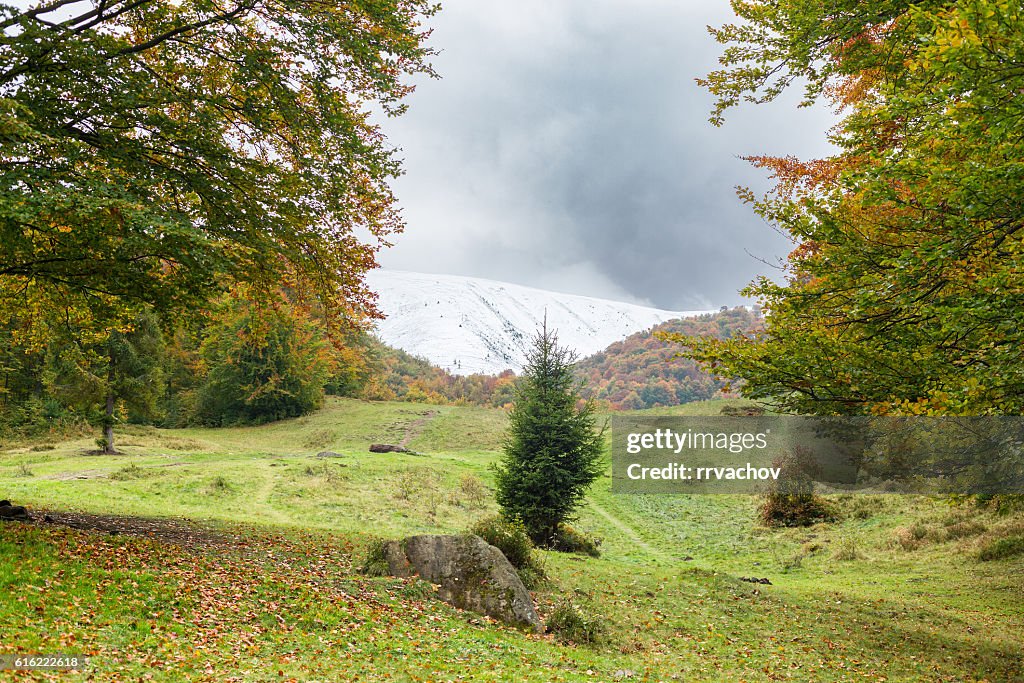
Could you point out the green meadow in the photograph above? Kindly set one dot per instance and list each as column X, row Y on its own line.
column 232, row 554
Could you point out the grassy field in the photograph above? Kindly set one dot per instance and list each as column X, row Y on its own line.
column 261, row 586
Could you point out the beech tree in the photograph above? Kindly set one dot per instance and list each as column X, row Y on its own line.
column 262, row 364
column 552, row 453
column 906, row 281
column 153, row 151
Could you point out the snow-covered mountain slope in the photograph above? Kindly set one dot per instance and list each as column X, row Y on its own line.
column 470, row 325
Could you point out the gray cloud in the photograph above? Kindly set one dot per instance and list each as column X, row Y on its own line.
column 567, row 147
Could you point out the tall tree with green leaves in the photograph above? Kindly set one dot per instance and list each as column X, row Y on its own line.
column 154, row 151
column 552, row 452
column 906, row 283
column 262, row 364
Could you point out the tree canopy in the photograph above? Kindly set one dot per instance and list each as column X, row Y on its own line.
column 151, row 151
column 905, row 286
column 262, row 366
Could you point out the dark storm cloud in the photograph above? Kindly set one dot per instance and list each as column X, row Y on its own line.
column 567, row 147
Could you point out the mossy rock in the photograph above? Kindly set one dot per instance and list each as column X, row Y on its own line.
column 470, row 574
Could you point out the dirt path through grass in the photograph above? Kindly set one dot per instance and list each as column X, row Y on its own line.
column 414, row 428
column 628, row 531
column 185, row 533
column 263, row 496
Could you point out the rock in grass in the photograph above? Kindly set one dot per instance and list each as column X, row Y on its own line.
column 13, row 512
column 754, row 579
column 471, row 574
column 388, row 448
column 330, row 454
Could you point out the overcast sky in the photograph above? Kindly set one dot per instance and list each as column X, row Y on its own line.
column 567, row 147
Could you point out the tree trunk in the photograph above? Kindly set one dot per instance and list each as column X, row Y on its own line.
column 108, row 417
column 108, row 426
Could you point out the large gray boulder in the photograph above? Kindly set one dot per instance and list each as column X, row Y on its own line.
column 471, row 574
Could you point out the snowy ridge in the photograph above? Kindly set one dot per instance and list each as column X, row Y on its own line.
column 472, row 325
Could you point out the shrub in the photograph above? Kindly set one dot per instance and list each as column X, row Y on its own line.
column 417, row 484
column 407, row 484
column 794, row 509
column 507, row 536
column 1002, row 549
column 965, row 529
column 846, row 550
column 474, row 490
column 904, row 537
column 219, row 485
column 570, row 624
column 375, row 562
column 569, row 540
column 791, row 500
column 511, row 539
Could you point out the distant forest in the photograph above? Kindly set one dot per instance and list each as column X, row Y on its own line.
column 641, row 371
column 240, row 366
column 645, row 371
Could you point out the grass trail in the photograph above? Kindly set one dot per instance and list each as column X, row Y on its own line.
column 627, row 532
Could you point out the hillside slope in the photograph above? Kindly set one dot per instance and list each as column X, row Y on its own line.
column 643, row 371
column 472, row 325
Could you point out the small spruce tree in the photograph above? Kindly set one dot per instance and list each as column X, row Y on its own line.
column 552, row 451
